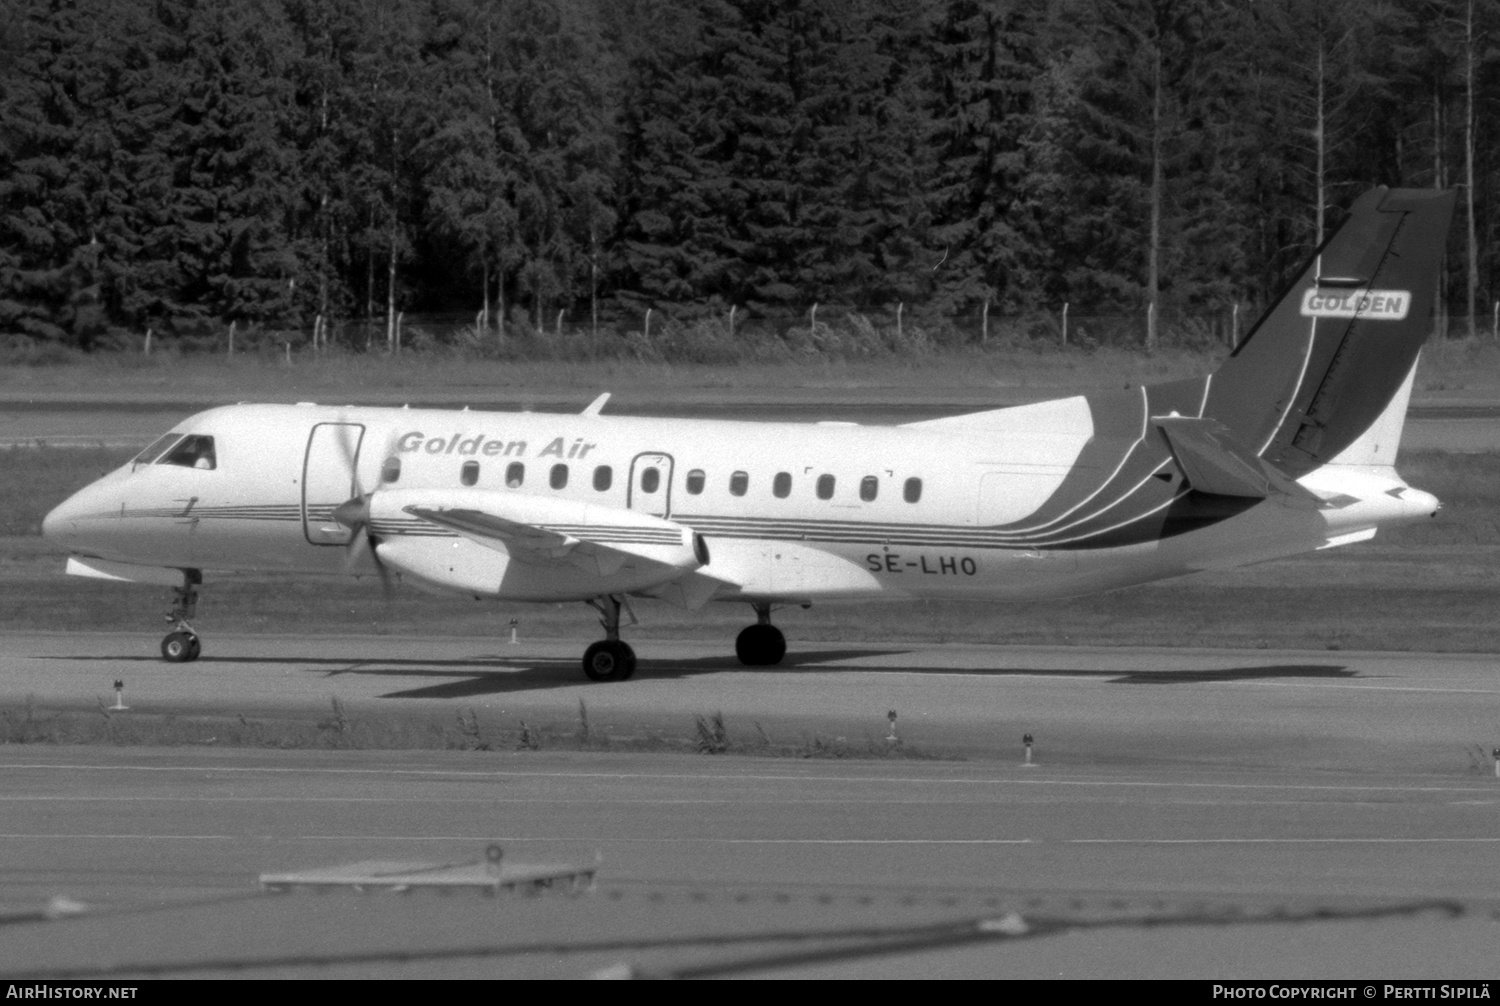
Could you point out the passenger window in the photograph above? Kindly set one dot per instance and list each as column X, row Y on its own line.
column 515, row 474
column 913, row 490
column 781, row 485
column 559, row 477
column 739, row 483
column 650, row 480
column 390, row 470
column 695, row 481
column 468, row 474
column 869, row 488
column 825, row 487
column 157, row 449
column 604, row 477
column 192, row 452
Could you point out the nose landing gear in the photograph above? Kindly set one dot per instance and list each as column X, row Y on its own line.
column 181, row 645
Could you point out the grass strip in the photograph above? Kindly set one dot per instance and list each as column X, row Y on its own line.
column 341, row 729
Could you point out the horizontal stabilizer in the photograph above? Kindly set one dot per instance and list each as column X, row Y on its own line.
column 1213, row 462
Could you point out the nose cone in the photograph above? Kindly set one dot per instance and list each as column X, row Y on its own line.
column 60, row 526
column 85, row 521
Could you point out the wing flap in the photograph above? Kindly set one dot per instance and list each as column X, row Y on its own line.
column 692, row 590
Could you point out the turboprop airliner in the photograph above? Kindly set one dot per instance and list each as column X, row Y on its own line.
column 1288, row 447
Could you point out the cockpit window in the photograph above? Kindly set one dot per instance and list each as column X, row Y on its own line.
column 157, row 449
column 195, row 451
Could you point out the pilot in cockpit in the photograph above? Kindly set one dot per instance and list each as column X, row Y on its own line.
column 191, row 451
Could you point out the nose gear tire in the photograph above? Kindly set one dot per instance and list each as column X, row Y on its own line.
column 180, row 647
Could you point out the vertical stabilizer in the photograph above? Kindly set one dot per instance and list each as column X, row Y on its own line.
column 1326, row 372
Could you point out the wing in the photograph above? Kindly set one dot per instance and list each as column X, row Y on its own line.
column 539, row 548
column 601, row 545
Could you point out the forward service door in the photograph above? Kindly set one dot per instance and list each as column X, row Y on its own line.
column 328, row 479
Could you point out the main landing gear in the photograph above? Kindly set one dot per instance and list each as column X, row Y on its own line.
column 181, row 644
column 761, row 644
column 610, row 659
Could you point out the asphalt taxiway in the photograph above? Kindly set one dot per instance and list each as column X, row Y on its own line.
column 1405, row 712
column 1210, row 814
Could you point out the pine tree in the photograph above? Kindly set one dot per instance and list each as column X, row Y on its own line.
column 469, row 188
column 674, row 201
column 231, row 171
column 995, row 186
column 554, row 137
column 329, row 138
column 394, row 116
column 57, row 211
column 1147, row 141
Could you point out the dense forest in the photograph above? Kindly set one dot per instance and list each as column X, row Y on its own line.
column 310, row 166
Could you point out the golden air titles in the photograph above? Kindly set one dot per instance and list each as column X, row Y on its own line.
column 483, row 445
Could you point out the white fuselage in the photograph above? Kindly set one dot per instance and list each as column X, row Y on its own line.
column 788, row 511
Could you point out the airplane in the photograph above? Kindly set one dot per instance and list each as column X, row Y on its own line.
column 1288, row 447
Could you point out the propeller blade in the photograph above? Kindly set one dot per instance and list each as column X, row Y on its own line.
column 387, row 578
column 354, row 513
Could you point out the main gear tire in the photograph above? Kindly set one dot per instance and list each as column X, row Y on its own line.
column 609, row 660
column 760, row 645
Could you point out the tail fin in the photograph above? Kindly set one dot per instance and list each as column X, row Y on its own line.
column 1327, row 368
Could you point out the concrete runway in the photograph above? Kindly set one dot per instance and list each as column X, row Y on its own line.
column 1209, row 814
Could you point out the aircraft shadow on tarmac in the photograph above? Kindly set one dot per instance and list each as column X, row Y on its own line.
column 539, row 674
column 518, row 675
column 498, row 674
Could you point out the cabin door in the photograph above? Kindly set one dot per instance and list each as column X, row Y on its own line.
column 651, row 484
column 328, row 479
